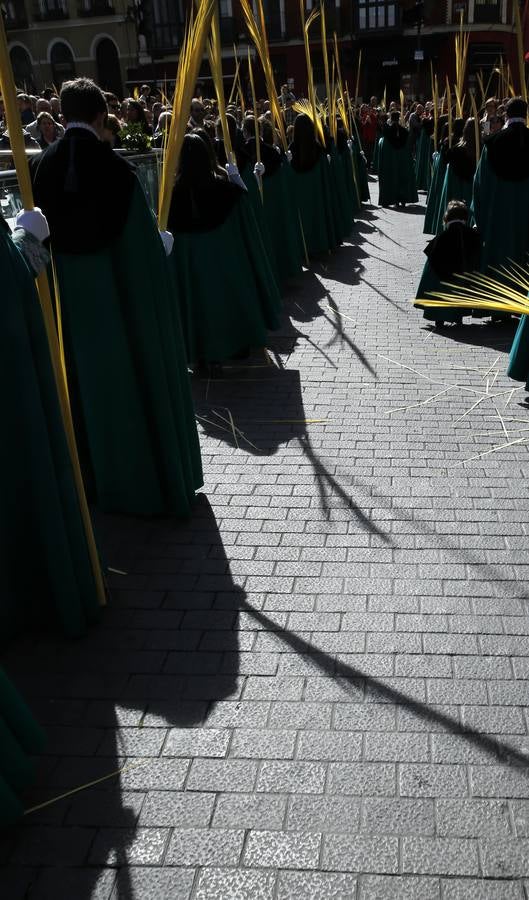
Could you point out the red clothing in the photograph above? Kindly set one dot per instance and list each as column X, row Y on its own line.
column 368, row 128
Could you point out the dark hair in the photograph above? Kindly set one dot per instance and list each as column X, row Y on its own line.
column 468, row 138
column 456, row 209
column 516, row 108
column 208, row 143
column 82, row 101
column 395, row 117
column 195, row 166
column 142, row 118
column 305, row 148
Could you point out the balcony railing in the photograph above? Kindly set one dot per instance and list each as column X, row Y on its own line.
column 50, row 12
column 96, row 8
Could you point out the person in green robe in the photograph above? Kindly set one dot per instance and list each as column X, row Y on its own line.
column 279, row 208
column 460, row 171
column 125, row 355
column 45, row 566
column 424, row 153
column 395, row 167
column 312, row 189
column 455, row 251
column 501, row 191
column 433, row 217
column 226, row 287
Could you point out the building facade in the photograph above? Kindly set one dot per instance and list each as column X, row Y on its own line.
column 51, row 41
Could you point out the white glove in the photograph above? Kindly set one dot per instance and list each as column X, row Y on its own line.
column 350, row 144
column 364, row 157
column 234, row 176
column 259, row 170
column 167, row 241
column 288, row 155
column 34, row 221
column 329, row 158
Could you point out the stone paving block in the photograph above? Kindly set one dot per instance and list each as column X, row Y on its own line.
column 451, row 748
column 204, row 847
column 233, row 714
column 131, row 847
column 356, row 717
column 361, row 853
column 520, row 814
column 362, row 779
column 263, row 688
column 37, row 845
column 177, row 810
column 96, row 807
column 324, row 814
column 153, row 884
column 397, row 816
column 300, row 777
column 155, row 774
column 282, row 850
column 222, row 775
column 422, row 780
column 388, row 747
column 473, row 889
column 499, row 781
column 321, row 745
column 300, row 715
column 493, row 719
column 316, row 885
column 239, row 884
column 440, row 856
column 473, row 818
column 188, row 742
column 505, row 857
column 262, row 744
column 398, row 887
column 250, row 811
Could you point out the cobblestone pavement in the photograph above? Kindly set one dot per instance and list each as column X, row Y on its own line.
column 317, row 687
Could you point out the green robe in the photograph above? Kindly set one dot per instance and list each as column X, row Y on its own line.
column 430, row 282
column 282, row 218
column 312, row 195
column 20, row 737
column 501, row 211
column 396, row 175
column 362, row 173
column 226, row 288
column 423, row 161
column 340, row 196
column 519, row 359
column 265, row 238
column 454, row 188
column 127, row 358
column 434, row 194
column 45, row 569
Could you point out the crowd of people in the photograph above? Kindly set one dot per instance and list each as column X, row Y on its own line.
column 139, row 308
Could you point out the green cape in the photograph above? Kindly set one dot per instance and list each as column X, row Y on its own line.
column 265, row 238
column 519, row 359
column 431, row 282
column 501, row 211
column 226, row 287
column 20, row 736
column 454, row 188
column 44, row 562
column 127, row 359
column 282, row 218
column 434, row 195
column 396, row 175
column 312, row 196
column 423, row 161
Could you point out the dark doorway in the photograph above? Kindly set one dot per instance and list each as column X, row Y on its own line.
column 108, row 68
column 62, row 63
column 22, row 69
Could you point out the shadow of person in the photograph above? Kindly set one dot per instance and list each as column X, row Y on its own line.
column 122, row 708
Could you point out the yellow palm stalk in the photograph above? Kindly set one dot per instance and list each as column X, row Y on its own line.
column 306, row 24
column 256, row 121
column 235, row 77
column 215, row 63
column 477, row 291
column 476, row 126
column 402, row 105
column 521, row 52
column 358, row 72
column 449, row 108
column 326, row 66
column 479, row 76
column 258, row 35
column 191, row 54
column 384, row 98
column 52, row 320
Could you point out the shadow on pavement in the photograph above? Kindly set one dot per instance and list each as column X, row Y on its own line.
column 126, row 697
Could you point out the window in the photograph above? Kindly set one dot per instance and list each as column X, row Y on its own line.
column 376, row 14
column 487, row 12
